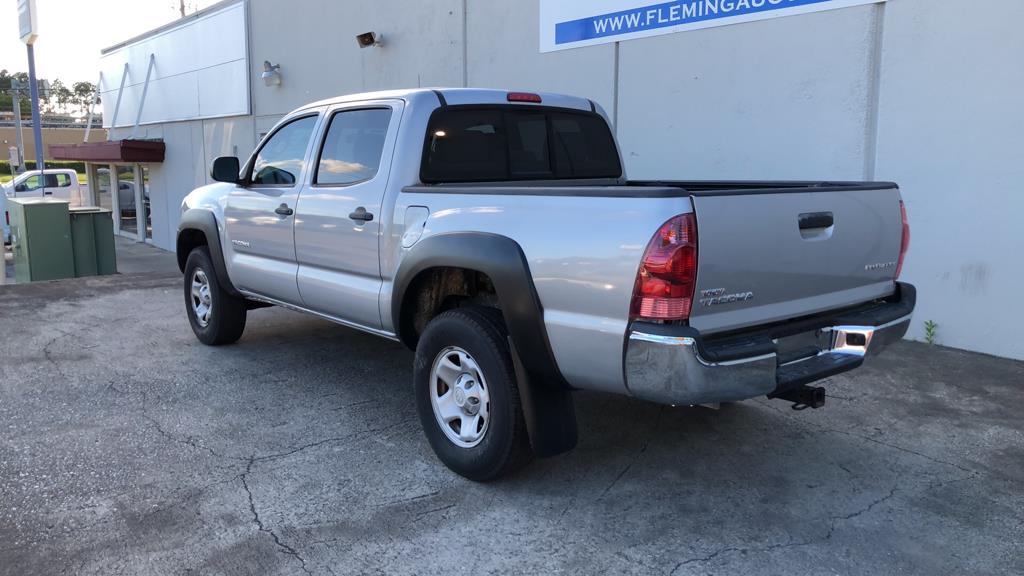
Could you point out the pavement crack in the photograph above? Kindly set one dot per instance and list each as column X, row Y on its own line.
column 845, row 469
column 284, row 548
column 636, row 456
column 932, row 459
column 617, row 478
column 353, row 436
column 187, row 440
column 708, row 558
column 402, row 501
column 49, row 355
column 296, row 450
column 833, row 521
column 432, row 510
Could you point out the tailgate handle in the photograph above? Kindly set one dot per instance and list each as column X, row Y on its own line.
column 812, row 220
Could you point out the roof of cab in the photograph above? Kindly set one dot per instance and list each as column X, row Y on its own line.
column 456, row 96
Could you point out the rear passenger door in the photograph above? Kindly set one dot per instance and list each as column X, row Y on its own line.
column 337, row 225
column 59, row 186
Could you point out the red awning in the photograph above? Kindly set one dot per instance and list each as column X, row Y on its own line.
column 113, row 151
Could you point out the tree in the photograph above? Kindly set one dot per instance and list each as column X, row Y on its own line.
column 84, row 92
column 6, row 100
column 62, row 95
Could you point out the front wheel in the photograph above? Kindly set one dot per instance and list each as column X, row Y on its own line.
column 467, row 397
column 216, row 317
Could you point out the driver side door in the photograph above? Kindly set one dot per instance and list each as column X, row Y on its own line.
column 259, row 213
column 31, row 187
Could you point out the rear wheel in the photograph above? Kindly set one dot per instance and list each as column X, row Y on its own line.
column 216, row 317
column 467, row 397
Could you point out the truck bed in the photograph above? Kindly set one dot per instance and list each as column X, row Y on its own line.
column 767, row 250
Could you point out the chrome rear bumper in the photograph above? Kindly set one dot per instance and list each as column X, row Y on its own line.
column 675, row 365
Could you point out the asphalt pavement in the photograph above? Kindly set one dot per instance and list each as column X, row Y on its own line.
column 128, row 447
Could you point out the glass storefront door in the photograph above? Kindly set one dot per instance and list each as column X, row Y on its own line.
column 146, row 204
column 101, row 177
column 124, row 190
column 126, row 205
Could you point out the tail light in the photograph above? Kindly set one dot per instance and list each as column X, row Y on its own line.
column 905, row 242
column 668, row 273
column 523, row 97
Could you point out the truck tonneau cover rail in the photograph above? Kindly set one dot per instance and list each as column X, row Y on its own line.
column 564, row 188
column 744, row 187
column 604, row 188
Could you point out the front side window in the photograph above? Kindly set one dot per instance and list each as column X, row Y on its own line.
column 31, row 183
column 353, row 146
column 281, row 159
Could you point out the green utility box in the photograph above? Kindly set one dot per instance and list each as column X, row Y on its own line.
column 92, row 239
column 40, row 239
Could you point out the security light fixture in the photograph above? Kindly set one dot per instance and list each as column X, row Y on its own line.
column 369, row 39
column 271, row 75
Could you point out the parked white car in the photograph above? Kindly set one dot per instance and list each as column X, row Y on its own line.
column 61, row 184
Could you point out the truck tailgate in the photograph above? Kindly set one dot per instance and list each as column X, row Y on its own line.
column 764, row 257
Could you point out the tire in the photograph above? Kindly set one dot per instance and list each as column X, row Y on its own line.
column 223, row 321
column 498, row 444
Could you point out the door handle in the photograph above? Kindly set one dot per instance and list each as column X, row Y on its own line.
column 816, row 220
column 284, row 210
column 361, row 215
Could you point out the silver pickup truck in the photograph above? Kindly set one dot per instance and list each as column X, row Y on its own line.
column 496, row 234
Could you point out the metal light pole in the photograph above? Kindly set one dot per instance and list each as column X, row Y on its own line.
column 18, row 143
column 37, row 124
column 28, row 29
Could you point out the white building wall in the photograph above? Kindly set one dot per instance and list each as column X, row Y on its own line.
column 314, row 41
column 921, row 92
column 950, row 129
column 777, row 99
column 502, row 40
column 198, row 70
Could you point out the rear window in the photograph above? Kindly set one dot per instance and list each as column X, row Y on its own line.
column 496, row 143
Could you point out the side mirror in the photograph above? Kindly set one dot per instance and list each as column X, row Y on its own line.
column 20, row 188
column 225, row 169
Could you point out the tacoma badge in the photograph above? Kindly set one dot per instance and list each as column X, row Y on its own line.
column 716, row 296
column 880, row 266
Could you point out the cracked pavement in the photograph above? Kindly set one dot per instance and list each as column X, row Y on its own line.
column 130, row 448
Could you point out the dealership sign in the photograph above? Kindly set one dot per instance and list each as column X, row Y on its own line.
column 574, row 23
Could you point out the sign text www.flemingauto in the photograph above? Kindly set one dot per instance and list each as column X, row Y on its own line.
column 569, row 24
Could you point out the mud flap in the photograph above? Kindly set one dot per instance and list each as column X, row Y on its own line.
column 548, row 410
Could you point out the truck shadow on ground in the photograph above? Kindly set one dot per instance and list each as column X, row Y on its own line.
column 758, row 456
column 651, row 487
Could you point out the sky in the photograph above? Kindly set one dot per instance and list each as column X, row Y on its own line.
column 72, row 33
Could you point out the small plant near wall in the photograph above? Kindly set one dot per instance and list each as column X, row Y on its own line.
column 931, row 330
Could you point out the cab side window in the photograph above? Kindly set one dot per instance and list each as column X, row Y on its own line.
column 353, row 146
column 31, row 183
column 281, row 159
column 63, row 180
